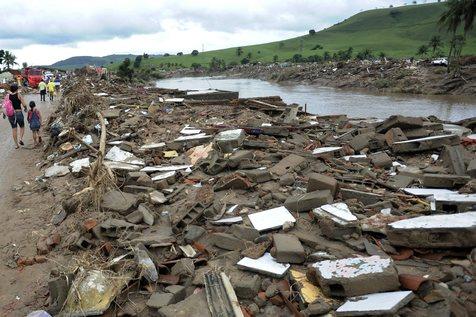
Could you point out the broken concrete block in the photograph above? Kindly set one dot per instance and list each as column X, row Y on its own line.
column 336, row 221
column 158, row 300
column 232, row 181
column 444, row 180
column 184, row 267
column 227, row 241
column 228, row 140
column 135, row 189
column 157, row 198
column 400, row 181
column 321, row 182
column 471, row 171
column 453, row 159
column 135, row 217
column 265, row 265
column 178, row 292
column 287, row 180
column 147, row 215
column 381, row 159
column 395, row 135
column 258, row 175
column 238, row 156
column 117, row 201
column 308, row 201
column 364, row 197
column 246, row 286
column 356, row 276
column 288, row 164
column 194, row 305
column 399, row 122
column 244, row 232
column 288, row 249
column 271, row 218
column 380, row 304
column 425, row 144
column 453, row 202
column 361, row 141
column 435, row 231
column 193, row 233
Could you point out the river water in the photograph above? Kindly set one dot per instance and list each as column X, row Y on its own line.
column 326, row 100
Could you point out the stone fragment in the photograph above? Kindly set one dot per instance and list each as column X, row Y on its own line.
column 135, row 217
column 271, row 219
column 364, row 197
column 336, row 221
column 435, row 231
column 286, row 180
column 246, row 286
column 288, row 249
column 178, row 292
column 147, row 215
column 453, row 159
column 157, row 198
column 244, row 232
column 227, row 241
column 380, row 304
column 361, row 141
column 308, row 201
column 289, row 164
column 425, row 144
column 228, row 140
column 239, row 156
column 258, row 175
column 158, row 300
column 356, row 276
column 444, row 180
column 471, row 171
column 321, row 182
column 395, row 135
column 120, row 202
column 398, row 121
column 193, row 233
column 381, row 159
column 194, row 305
column 265, row 265
column 136, row 189
column 184, row 267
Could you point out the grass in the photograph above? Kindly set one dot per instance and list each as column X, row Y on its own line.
column 397, row 32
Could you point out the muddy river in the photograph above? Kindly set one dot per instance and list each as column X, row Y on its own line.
column 326, row 100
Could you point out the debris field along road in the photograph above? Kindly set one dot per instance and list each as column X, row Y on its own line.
column 160, row 202
column 22, row 216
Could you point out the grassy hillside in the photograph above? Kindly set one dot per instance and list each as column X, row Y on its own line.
column 81, row 61
column 398, row 32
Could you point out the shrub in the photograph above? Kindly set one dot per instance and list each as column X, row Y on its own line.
column 194, row 53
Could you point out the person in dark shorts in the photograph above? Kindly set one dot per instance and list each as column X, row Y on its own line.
column 42, row 89
column 17, row 120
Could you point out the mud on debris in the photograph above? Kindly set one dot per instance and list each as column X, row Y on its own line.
column 251, row 207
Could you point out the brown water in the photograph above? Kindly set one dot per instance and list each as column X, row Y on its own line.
column 326, row 100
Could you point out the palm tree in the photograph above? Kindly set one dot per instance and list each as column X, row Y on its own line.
column 2, row 54
column 24, row 65
column 422, row 50
column 434, row 43
column 9, row 59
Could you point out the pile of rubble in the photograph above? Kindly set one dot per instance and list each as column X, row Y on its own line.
column 250, row 207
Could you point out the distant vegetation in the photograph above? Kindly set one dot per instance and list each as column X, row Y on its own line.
column 81, row 61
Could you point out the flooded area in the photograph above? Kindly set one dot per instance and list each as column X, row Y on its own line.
column 326, row 100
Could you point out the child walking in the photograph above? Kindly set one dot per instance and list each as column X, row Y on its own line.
column 34, row 119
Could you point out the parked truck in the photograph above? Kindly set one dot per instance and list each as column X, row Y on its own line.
column 33, row 76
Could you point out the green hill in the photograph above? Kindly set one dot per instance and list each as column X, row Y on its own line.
column 398, row 32
column 81, row 61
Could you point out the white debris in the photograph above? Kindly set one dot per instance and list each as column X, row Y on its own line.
column 461, row 220
column 326, row 149
column 115, row 154
column 164, row 168
column 56, row 170
column 375, row 304
column 352, row 267
column 77, row 165
column 338, row 212
column 162, row 176
column 266, row 265
column 271, row 218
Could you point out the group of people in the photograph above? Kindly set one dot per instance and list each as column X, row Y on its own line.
column 13, row 103
column 49, row 87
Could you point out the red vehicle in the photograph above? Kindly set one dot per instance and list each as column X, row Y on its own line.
column 33, row 75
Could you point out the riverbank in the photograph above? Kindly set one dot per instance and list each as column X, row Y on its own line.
column 381, row 76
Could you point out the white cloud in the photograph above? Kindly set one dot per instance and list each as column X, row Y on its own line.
column 42, row 32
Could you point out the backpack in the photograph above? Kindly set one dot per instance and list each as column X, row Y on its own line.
column 8, row 106
column 35, row 121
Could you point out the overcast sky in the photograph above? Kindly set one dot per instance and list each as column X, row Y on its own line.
column 43, row 32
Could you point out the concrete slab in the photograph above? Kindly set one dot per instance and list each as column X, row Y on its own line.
column 271, row 218
column 375, row 304
column 265, row 265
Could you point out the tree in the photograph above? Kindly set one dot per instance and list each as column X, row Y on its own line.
column 297, row 58
column 166, row 54
column 365, row 54
column 217, row 64
column 245, row 61
column 179, row 53
column 196, row 66
column 326, row 56
column 9, row 59
column 382, row 55
column 435, row 43
column 281, row 45
column 312, row 32
column 24, row 65
column 124, row 70
column 459, row 13
column 317, row 46
column 422, row 50
column 137, row 61
column 275, row 58
column 145, row 56
column 2, row 55
column 194, row 53
column 239, row 51
column 249, row 55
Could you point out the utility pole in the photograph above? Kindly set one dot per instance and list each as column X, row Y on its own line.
column 203, row 47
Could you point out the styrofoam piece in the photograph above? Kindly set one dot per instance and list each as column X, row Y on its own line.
column 227, row 135
column 115, row 142
column 338, row 212
column 56, row 170
column 193, row 137
column 271, row 218
column 326, row 149
column 162, row 176
column 352, row 267
column 357, row 156
column 164, row 168
column 434, row 137
column 174, row 100
column 455, row 197
column 375, row 304
column 88, row 139
column 265, row 265
column 201, row 92
column 115, row 154
column 77, row 165
column 461, row 220
column 228, row 221
column 424, row 192
column 151, row 146
column 121, row 166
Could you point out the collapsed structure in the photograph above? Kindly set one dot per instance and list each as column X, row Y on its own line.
column 250, row 207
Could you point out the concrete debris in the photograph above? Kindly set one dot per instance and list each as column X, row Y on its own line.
column 193, row 191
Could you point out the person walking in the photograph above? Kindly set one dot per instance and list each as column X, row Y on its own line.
column 16, row 118
column 34, row 119
column 42, row 89
column 51, row 89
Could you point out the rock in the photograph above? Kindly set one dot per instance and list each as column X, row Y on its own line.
column 364, row 197
column 117, row 201
column 453, row 159
column 356, row 276
column 244, row 232
column 308, row 201
column 239, row 156
column 135, row 217
column 289, row 164
column 158, row 300
column 56, row 171
column 147, row 215
column 258, row 175
column 394, row 135
column 193, row 233
column 381, row 159
column 157, row 198
column 444, row 180
column 136, row 189
column 184, row 267
column 286, row 180
column 317, row 309
column 471, row 171
column 246, row 287
column 288, row 249
column 361, row 141
column 228, row 140
column 194, row 305
column 227, row 241
column 398, row 121
column 178, row 292
column 71, row 205
column 321, row 182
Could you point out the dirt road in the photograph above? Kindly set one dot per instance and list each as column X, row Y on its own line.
column 23, row 216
